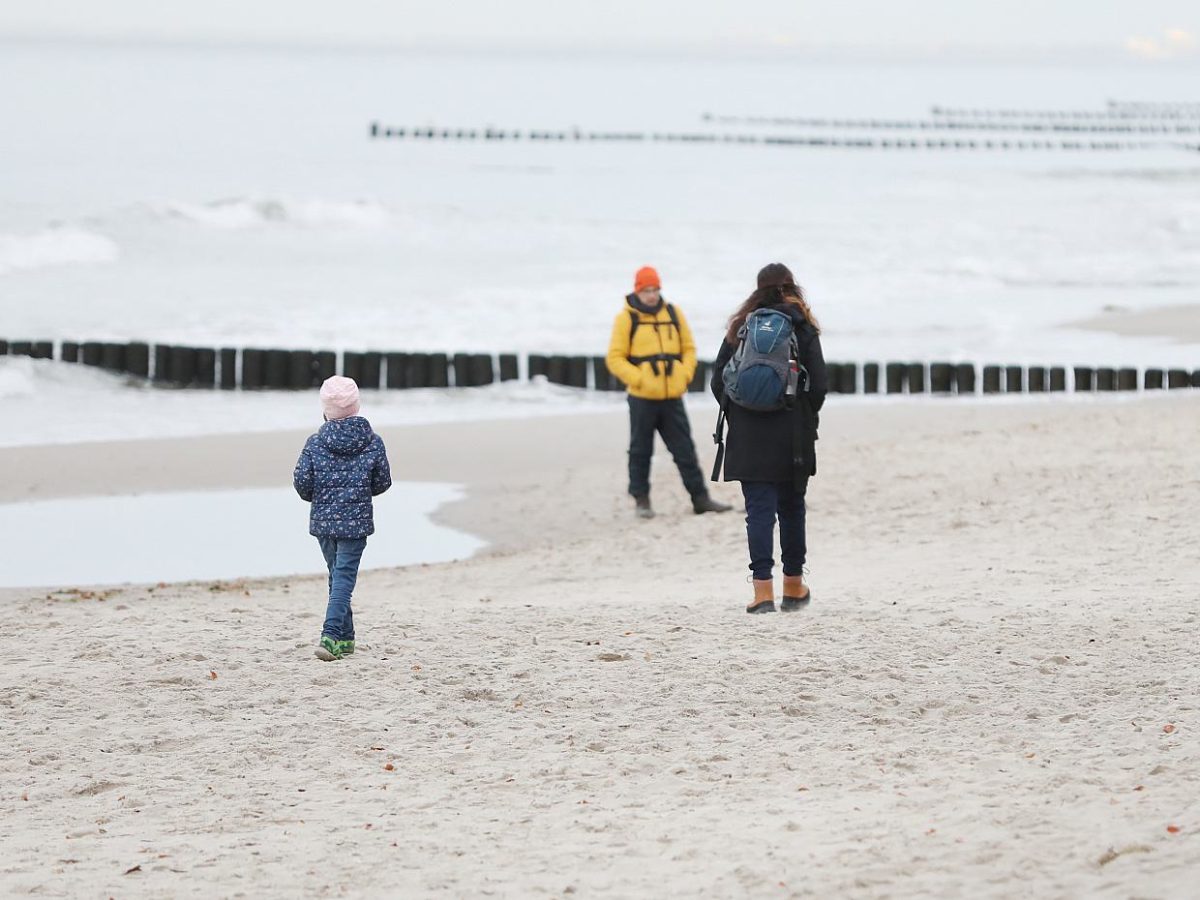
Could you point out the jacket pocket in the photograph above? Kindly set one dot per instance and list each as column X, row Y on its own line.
column 677, row 382
column 649, row 384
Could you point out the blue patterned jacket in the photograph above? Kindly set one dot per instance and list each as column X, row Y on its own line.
column 340, row 469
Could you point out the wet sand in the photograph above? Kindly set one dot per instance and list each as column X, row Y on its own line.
column 1180, row 324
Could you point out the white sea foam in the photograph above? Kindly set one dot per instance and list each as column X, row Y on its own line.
column 260, row 212
column 17, row 377
column 49, row 402
column 54, row 247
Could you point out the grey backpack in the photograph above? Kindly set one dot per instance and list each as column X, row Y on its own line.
column 764, row 371
column 763, row 374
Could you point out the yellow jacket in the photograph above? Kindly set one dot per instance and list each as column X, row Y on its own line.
column 661, row 361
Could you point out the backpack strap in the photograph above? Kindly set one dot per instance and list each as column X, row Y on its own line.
column 667, row 359
column 634, row 321
column 719, row 440
column 794, row 370
column 674, row 320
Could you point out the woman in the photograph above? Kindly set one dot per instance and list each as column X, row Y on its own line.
column 772, row 453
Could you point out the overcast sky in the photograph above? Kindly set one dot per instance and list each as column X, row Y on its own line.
column 1152, row 29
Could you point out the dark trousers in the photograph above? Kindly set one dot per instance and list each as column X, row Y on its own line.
column 766, row 501
column 668, row 418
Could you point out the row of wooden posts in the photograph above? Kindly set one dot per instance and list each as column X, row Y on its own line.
column 1113, row 111
column 865, row 143
column 273, row 369
column 1043, row 127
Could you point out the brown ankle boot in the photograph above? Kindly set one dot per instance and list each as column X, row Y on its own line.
column 795, row 593
column 764, row 596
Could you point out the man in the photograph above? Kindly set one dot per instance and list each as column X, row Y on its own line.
column 654, row 356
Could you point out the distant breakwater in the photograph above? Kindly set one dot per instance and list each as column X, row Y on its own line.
column 1052, row 126
column 378, row 131
column 1115, row 110
column 258, row 369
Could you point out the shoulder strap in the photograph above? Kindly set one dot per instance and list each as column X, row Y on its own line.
column 635, row 321
column 674, row 316
column 719, row 440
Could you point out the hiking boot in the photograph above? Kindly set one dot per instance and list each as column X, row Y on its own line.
column 641, row 508
column 705, row 504
column 764, row 596
column 796, row 593
column 329, row 649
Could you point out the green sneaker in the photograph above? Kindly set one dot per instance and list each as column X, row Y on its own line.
column 329, row 649
column 347, row 647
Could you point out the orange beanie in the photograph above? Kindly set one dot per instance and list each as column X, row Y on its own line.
column 646, row 277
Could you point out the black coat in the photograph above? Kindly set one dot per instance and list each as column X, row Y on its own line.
column 761, row 446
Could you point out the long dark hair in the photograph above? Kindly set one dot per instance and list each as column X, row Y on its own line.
column 776, row 286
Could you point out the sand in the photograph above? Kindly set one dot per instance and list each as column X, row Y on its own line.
column 1180, row 324
column 993, row 694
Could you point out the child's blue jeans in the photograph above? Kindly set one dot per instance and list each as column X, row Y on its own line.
column 342, row 556
column 766, row 501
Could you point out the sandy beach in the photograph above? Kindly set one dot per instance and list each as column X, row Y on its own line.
column 1180, row 324
column 993, row 694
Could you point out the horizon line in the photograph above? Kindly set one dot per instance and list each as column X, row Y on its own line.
column 720, row 50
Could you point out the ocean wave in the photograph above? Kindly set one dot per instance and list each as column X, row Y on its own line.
column 257, row 212
column 1166, row 175
column 25, row 378
column 1183, row 224
column 16, row 377
column 54, row 247
column 1098, row 283
column 1069, row 276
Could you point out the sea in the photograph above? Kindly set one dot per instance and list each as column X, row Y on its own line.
column 245, row 195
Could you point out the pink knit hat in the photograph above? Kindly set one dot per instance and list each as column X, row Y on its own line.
column 339, row 397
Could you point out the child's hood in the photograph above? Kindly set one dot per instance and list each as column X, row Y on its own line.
column 345, row 437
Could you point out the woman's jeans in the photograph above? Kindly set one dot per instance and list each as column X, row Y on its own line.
column 766, row 500
column 342, row 556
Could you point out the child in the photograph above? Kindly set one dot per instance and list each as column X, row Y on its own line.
column 340, row 469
